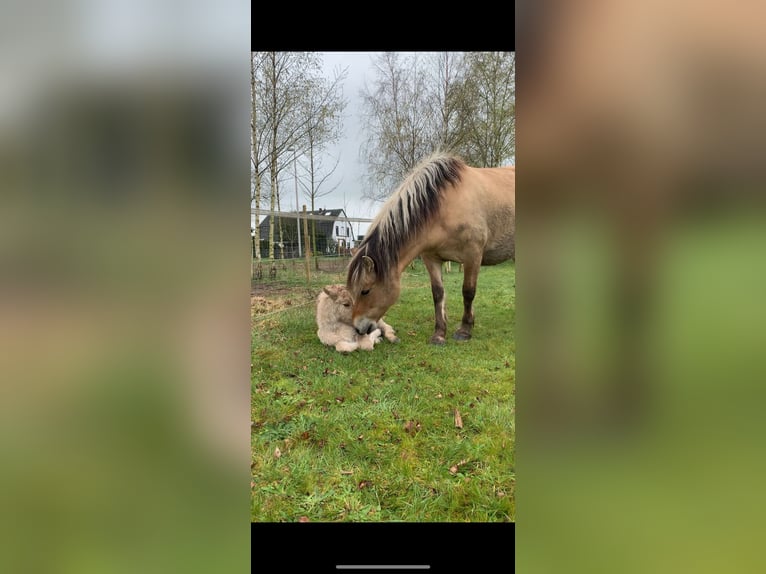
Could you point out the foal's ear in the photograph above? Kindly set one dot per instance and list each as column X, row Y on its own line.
column 369, row 264
column 331, row 290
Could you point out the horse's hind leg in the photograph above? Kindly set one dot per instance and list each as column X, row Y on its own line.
column 470, row 277
column 434, row 267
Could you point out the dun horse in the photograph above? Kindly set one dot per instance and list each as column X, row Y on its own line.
column 444, row 210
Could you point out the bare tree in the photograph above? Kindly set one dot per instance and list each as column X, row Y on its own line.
column 325, row 105
column 315, row 188
column 490, row 97
column 280, row 87
column 399, row 121
column 295, row 109
column 447, row 73
column 258, row 143
column 460, row 102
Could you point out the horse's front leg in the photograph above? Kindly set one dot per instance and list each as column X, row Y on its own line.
column 470, row 276
column 434, row 267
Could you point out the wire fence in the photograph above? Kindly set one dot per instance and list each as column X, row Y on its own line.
column 295, row 273
column 313, row 237
column 283, row 234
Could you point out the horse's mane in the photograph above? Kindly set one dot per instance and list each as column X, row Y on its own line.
column 409, row 209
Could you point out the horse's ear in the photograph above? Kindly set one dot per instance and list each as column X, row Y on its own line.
column 369, row 264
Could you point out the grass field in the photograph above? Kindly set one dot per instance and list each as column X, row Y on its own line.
column 407, row 432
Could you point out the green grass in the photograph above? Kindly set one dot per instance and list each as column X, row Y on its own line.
column 371, row 436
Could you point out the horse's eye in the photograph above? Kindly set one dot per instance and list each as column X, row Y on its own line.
column 365, row 291
column 347, row 304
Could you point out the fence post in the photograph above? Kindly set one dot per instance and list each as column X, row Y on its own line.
column 307, row 245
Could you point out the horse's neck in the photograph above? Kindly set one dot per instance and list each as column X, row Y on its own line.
column 406, row 256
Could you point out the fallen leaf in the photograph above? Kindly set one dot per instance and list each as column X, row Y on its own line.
column 360, row 437
column 412, row 427
column 277, row 452
column 439, row 395
column 458, row 419
column 303, row 519
column 347, row 472
column 364, row 484
column 455, row 467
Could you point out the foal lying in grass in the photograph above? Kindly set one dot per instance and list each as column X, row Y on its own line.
column 335, row 327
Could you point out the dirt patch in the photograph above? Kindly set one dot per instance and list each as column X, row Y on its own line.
column 287, row 288
column 266, row 299
column 260, row 305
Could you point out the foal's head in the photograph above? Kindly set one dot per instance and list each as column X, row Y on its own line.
column 342, row 301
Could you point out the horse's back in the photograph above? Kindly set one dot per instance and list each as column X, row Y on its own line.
column 492, row 195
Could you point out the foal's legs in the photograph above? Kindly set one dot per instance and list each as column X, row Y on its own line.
column 470, row 275
column 434, row 267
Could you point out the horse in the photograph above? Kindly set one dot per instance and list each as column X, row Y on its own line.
column 444, row 210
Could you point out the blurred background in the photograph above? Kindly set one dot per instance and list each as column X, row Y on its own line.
column 124, row 325
column 641, row 282
column 124, row 332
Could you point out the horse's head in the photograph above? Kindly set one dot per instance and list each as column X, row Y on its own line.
column 373, row 294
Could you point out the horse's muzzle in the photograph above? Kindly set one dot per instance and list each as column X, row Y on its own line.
column 364, row 327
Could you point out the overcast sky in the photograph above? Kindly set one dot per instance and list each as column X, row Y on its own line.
column 350, row 171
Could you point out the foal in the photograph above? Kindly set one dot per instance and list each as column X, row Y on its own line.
column 334, row 324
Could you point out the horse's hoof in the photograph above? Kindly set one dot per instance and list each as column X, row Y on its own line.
column 461, row 336
column 437, row 340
